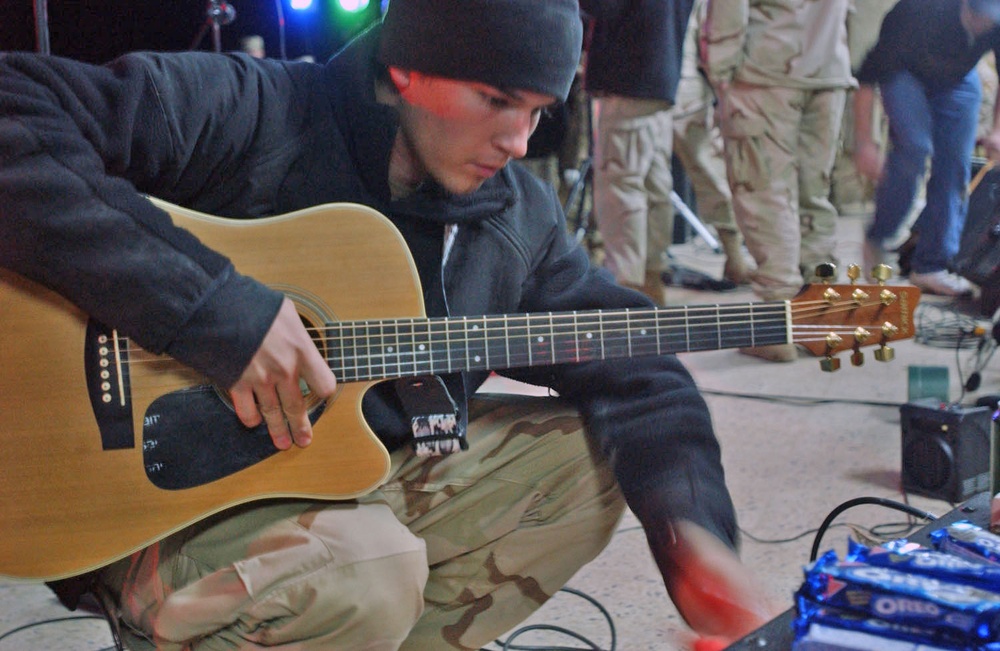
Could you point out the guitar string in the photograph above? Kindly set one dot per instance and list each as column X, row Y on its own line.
column 471, row 332
column 408, row 361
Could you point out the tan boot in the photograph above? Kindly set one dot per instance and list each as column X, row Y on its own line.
column 736, row 269
column 652, row 287
column 775, row 353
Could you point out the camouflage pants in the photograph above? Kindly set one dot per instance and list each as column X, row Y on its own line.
column 450, row 553
column 632, row 185
column 780, row 146
column 699, row 147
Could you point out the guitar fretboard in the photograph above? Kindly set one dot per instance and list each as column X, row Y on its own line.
column 370, row 350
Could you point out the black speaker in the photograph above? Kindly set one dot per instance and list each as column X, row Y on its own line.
column 946, row 449
column 978, row 256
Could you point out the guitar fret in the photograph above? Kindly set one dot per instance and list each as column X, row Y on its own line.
column 447, row 345
column 465, row 338
column 562, row 338
column 628, row 333
column 718, row 326
column 600, row 338
column 392, row 346
column 483, row 328
column 552, row 336
column 506, row 339
column 687, row 330
column 576, row 335
column 354, row 352
column 659, row 331
column 477, row 345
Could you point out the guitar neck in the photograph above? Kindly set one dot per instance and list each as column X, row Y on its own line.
column 374, row 350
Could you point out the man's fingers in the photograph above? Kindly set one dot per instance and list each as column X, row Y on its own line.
column 274, row 416
column 293, row 406
column 245, row 406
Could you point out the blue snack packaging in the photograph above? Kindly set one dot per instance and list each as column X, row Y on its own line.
column 909, row 557
column 968, row 540
column 965, row 613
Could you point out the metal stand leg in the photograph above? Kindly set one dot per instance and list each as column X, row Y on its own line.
column 576, row 201
column 695, row 223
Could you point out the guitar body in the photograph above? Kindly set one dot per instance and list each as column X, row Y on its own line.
column 69, row 505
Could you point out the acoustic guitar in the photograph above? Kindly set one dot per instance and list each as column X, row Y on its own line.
column 107, row 448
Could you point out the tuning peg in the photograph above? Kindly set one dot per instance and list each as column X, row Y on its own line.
column 881, row 273
column 885, row 353
column 857, row 358
column 826, row 272
column 833, row 343
column 853, row 272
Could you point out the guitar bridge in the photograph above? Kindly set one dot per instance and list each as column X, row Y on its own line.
column 107, row 369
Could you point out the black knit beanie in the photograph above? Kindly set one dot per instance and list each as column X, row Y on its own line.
column 513, row 44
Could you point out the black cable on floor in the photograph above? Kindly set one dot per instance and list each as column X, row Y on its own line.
column 508, row 644
column 857, row 501
column 943, row 326
column 799, row 400
column 48, row 622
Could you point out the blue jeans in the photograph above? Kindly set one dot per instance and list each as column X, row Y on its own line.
column 940, row 125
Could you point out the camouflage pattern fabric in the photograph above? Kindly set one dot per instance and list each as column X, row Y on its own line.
column 450, row 553
column 780, row 145
column 697, row 139
column 632, row 185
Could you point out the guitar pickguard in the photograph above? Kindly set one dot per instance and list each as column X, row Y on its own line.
column 192, row 437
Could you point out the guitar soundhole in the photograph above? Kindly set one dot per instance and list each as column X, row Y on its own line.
column 193, row 437
column 314, row 314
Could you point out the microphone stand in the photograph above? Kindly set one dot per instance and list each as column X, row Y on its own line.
column 42, row 27
column 218, row 13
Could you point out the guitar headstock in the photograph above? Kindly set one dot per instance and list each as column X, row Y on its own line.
column 829, row 319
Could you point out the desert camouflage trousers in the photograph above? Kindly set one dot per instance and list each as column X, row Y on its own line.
column 780, row 145
column 450, row 553
column 632, row 185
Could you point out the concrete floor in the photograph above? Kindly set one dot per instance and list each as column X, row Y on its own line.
column 796, row 442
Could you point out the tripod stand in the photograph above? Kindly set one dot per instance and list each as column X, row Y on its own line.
column 218, row 13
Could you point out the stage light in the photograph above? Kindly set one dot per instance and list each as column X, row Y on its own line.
column 353, row 5
column 301, row 5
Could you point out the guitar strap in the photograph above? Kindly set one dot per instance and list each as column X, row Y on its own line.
column 437, row 426
column 436, row 421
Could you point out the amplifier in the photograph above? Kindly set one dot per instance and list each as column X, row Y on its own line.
column 945, row 449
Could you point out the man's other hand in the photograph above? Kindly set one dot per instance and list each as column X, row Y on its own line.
column 713, row 591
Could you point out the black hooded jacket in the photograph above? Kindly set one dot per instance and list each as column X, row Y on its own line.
column 234, row 136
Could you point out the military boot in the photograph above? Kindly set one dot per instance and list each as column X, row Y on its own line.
column 653, row 287
column 736, row 269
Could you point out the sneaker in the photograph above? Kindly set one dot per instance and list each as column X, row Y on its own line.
column 941, row 283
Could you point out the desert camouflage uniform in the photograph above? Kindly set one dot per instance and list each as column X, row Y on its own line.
column 450, row 553
column 697, row 139
column 632, row 185
column 785, row 68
